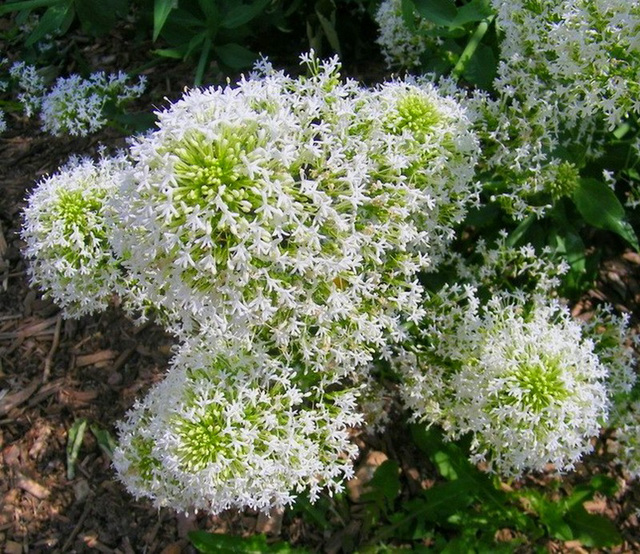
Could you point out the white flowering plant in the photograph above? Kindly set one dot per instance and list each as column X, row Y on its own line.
column 73, row 105
column 561, row 108
column 300, row 236
column 287, row 216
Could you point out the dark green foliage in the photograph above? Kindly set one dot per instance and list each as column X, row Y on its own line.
column 211, row 543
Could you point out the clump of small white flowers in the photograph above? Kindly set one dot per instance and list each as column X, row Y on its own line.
column 519, row 138
column 298, row 210
column 278, row 227
column 231, row 429
column 73, row 105
column 402, row 47
column 582, row 55
column 633, row 195
column 498, row 266
column 627, row 424
column 520, row 376
column 3, row 87
column 67, row 235
column 614, row 344
column 31, row 85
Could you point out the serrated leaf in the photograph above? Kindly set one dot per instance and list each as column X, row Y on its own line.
column 74, row 442
column 600, row 207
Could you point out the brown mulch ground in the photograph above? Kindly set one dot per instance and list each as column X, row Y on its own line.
column 58, row 371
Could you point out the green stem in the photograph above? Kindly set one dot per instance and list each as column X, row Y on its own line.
column 472, row 46
column 622, row 130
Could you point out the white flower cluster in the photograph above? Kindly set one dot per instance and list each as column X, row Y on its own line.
column 278, row 226
column 402, row 47
column 67, row 235
column 519, row 376
column 298, row 210
column 627, row 423
column 3, row 87
column 498, row 267
column 614, row 346
column 73, row 105
column 582, row 55
column 31, row 85
column 520, row 138
column 568, row 73
column 230, row 428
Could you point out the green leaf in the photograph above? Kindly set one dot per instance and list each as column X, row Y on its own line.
column 474, row 11
column 213, row 543
column 235, row 56
column 210, row 10
column 384, row 487
column 29, row 5
column 521, row 230
column 440, row 12
column 161, row 11
column 604, row 484
column 97, row 16
column 326, row 13
column 436, row 505
column 203, row 62
column 74, row 442
column 52, row 21
column 551, row 514
column 481, row 68
column 173, row 53
column 600, row 207
column 591, row 529
column 105, row 440
column 136, row 122
column 240, row 14
column 408, row 9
